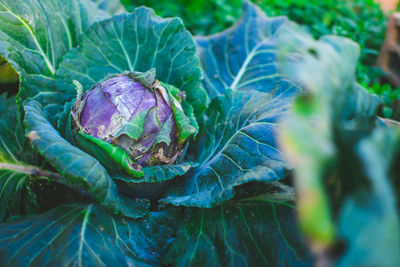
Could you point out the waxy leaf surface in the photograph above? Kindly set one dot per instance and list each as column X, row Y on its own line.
column 242, row 57
column 85, row 235
column 35, row 37
column 237, row 142
column 138, row 41
column 239, row 234
column 76, row 166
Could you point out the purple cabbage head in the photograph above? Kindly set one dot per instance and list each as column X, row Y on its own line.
column 136, row 113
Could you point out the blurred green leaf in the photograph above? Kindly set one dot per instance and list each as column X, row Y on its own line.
column 341, row 154
column 368, row 219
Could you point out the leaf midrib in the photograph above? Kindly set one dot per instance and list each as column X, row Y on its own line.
column 82, row 233
column 244, row 66
column 220, row 151
column 28, row 169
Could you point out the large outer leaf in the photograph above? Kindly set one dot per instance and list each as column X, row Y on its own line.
column 237, row 144
column 85, row 235
column 239, row 234
column 35, row 35
column 242, row 57
column 138, row 42
column 77, row 167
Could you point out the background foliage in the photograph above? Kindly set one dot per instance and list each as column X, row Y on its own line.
column 360, row 20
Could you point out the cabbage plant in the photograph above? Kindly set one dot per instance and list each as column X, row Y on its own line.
column 132, row 143
column 134, row 120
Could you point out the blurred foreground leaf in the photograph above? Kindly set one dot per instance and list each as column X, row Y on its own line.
column 342, row 154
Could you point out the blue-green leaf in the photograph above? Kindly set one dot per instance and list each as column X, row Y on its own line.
column 314, row 65
column 138, row 42
column 77, row 167
column 369, row 219
column 242, row 57
column 239, row 234
column 85, row 235
column 341, row 155
column 236, row 145
column 237, row 142
column 159, row 173
column 35, row 35
column 154, row 181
